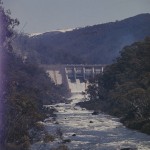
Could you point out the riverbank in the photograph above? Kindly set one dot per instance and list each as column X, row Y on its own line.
column 131, row 124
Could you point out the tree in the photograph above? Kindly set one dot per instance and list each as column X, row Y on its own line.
column 124, row 88
column 7, row 25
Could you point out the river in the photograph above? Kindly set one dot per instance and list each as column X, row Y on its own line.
column 90, row 132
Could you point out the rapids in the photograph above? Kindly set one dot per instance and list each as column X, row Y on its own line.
column 90, row 132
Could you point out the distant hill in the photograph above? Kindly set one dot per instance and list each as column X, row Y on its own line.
column 92, row 44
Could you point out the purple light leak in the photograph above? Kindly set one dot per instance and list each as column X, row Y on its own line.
column 1, row 80
column 1, row 88
column 0, row 75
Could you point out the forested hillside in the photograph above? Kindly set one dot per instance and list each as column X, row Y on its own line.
column 124, row 88
column 24, row 89
column 90, row 45
column 27, row 89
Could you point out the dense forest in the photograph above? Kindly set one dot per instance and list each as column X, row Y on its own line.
column 26, row 88
column 98, row 44
column 124, row 88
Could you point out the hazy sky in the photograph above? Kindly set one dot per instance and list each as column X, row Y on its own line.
column 47, row 15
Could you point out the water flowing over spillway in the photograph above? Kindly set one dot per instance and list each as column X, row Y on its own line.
column 77, row 87
column 91, row 132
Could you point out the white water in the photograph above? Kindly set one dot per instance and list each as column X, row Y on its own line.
column 77, row 87
column 105, row 133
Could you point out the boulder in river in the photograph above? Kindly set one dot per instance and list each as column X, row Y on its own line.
column 74, row 134
column 66, row 141
column 95, row 113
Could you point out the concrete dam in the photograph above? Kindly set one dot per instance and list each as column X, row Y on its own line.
column 75, row 76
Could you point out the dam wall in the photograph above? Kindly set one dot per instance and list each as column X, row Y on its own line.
column 75, row 76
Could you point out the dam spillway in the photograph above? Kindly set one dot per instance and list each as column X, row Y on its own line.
column 74, row 76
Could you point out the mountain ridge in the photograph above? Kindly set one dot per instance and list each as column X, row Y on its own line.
column 92, row 44
column 78, row 28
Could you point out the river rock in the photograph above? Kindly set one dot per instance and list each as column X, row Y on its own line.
column 66, row 141
column 95, row 113
column 74, row 134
